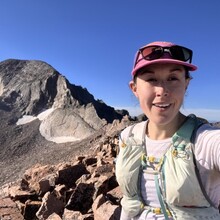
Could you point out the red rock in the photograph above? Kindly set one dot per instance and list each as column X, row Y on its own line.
column 76, row 215
column 54, row 216
column 50, row 204
column 31, row 208
column 9, row 210
column 70, row 175
column 82, row 198
column 103, row 209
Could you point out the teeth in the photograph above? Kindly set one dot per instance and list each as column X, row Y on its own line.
column 162, row 105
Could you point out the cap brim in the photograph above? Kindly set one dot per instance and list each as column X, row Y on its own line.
column 144, row 63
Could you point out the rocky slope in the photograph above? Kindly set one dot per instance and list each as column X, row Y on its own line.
column 84, row 188
column 44, row 118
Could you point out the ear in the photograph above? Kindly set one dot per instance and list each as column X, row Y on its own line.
column 133, row 87
column 187, row 83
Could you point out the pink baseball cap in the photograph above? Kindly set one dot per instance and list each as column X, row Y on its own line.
column 163, row 52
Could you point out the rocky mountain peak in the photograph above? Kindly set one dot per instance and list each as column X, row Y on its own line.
column 42, row 112
column 32, row 87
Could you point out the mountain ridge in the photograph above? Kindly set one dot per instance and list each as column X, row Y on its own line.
column 29, row 88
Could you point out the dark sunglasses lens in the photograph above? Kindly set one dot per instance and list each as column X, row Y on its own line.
column 152, row 53
column 180, row 53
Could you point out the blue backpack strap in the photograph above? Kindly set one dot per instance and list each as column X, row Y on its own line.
column 186, row 130
column 159, row 195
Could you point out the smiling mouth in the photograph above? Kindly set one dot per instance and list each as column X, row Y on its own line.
column 162, row 106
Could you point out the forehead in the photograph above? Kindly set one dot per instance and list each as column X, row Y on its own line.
column 169, row 67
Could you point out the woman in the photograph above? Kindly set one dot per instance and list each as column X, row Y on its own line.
column 169, row 166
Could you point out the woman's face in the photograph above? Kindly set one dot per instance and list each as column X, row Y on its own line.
column 160, row 89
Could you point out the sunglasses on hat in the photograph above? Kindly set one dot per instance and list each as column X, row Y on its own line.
column 155, row 52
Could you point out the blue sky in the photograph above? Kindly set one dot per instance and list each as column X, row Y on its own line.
column 93, row 42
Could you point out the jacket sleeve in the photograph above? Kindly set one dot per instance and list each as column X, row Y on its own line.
column 207, row 147
column 207, row 154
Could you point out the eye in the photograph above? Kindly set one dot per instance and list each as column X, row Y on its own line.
column 151, row 80
column 173, row 78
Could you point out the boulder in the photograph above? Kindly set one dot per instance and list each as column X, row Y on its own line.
column 9, row 210
column 84, row 188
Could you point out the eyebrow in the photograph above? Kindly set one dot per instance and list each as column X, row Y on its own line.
column 152, row 71
column 146, row 71
column 176, row 69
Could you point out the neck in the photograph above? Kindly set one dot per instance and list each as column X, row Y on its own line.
column 161, row 132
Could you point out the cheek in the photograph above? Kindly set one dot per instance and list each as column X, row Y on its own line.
column 180, row 91
column 179, row 95
column 145, row 96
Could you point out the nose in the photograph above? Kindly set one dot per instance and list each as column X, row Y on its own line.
column 162, row 89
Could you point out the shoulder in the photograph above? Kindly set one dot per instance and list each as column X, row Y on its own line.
column 132, row 129
column 208, row 131
column 207, row 148
column 207, row 142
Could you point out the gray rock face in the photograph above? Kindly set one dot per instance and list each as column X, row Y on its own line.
column 31, row 87
column 28, row 85
column 43, row 114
